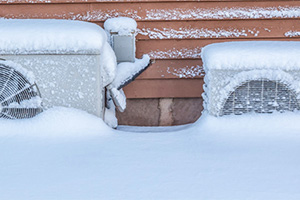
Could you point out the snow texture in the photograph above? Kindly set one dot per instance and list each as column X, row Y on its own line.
column 110, row 115
column 121, row 25
column 187, row 72
column 56, row 122
column 176, row 53
column 40, row 36
column 182, row 33
column 109, row 63
column 127, row 70
column 252, row 55
column 34, row 102
column 223, row 13
column 68, row 154
column 292, row 34
column 26, row 73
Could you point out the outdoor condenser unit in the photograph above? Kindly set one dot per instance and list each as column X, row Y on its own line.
column 244, row 77
column 71, row 61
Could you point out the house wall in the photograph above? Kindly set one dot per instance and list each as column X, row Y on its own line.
column 172, row 33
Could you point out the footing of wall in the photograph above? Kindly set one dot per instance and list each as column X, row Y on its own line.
column 161, row 112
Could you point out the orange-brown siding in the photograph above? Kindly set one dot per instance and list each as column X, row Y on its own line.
column 173, row 32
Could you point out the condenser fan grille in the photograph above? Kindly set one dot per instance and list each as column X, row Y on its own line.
column 19, row 98
column 261, row 96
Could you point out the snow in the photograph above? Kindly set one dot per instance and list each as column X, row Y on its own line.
column 182, row 33
column 187, row 71
column 110, row 116
column 257, row 12
column 252, row 55
column 68, row 154
column 27, row 74
column 109, row 63
column 38, row 36
column 292, row 34
column 120, row 25
column 34, row 102
column 223, row 13
column 56, row 122
column 126, row 70
column 176, row 53
column 119, row 98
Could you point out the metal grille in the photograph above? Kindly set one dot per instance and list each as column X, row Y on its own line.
column 18, row 97
column 260, row 96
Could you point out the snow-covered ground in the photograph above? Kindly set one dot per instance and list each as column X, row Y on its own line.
column 68, row 154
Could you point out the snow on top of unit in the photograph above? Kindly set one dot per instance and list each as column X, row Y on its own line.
column 121, row 25
column 252, row 55
column 35, row 36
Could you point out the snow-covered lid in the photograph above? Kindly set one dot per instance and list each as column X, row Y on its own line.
column 40, row 36
column 283, row 55
column 121, row 25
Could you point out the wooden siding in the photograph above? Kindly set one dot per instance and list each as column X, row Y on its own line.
column 173, row 32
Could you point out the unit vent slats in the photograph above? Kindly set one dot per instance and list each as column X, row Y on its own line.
column 260, row 96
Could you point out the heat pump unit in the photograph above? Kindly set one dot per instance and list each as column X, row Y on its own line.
column 245, row 77
column 71, row 61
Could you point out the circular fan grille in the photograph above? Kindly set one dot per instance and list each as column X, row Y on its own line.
column 261, row 96
column 18, row 97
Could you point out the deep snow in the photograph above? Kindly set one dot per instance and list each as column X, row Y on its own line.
column 68, row 154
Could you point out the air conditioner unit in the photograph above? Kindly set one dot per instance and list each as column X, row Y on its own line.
column 243, row 77
column 71, row 60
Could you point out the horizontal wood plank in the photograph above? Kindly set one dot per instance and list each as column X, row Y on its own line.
column 157, row 11
column 185, row 49
column 173, row 88
column 174, row 69
column 216, row 29
column 111, row 1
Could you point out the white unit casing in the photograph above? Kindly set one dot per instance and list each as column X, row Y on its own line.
column 244, row 77
column 71, row 60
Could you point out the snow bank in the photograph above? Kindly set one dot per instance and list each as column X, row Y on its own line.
column 251, row 125
column 35, row 36
column 121, row 25
column 231, row 158
column 56, row 122
column 252, row 55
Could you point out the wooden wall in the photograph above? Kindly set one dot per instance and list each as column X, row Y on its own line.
column 173, row 32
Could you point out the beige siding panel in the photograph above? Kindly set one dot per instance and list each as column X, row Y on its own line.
column 164, row 88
